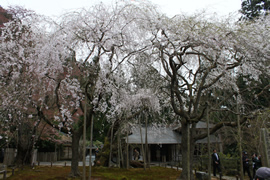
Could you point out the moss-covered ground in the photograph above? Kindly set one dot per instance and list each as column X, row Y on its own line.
column 98, row 173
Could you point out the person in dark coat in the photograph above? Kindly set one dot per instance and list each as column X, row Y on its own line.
column 216, row 163
column 2, row 155
column 259, row 164
column 255, row 164
column 246, row 164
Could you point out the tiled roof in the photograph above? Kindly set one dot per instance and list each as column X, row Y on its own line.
column 161, row 135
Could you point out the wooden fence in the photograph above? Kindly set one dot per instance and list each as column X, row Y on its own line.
column 47, row 156
column 9, row 156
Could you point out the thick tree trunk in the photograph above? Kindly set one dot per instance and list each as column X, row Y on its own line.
column 187, row 153
column 24, row 145
column 75, row 155
column 23, row 156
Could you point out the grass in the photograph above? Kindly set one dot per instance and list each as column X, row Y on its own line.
column 98, row 173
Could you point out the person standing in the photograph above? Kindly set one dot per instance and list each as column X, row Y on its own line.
column 2, row 152
column 259, row 164
column 136, row 155
column 216, row 163
column 246, row 164
column 255, row 163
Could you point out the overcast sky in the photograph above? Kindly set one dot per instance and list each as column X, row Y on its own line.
column 170, row 7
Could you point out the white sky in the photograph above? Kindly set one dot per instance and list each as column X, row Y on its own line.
column 170, row 7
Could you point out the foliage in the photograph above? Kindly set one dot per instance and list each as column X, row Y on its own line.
column 255, row 93
column 98, row 144
column 251, row 9
column 101, row 126
column 45, row 146
column 255, row 10
column 19, row 93
column 202, row 57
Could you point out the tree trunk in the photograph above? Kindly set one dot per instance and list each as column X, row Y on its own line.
column 91, row 145
column 187, row 152
column 118, row 152
column 240, row 142
column 208, row 144
column 84, row 140
column 143, row 153
column 127, row 152
column 111, row 142
column 75, row 155
column 25, row 145
column 23, row 155
column 121, row 152
column 147, row 158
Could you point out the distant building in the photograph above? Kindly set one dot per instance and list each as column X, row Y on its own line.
column 164, row 143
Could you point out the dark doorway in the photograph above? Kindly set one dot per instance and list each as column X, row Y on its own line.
column 155, row 152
